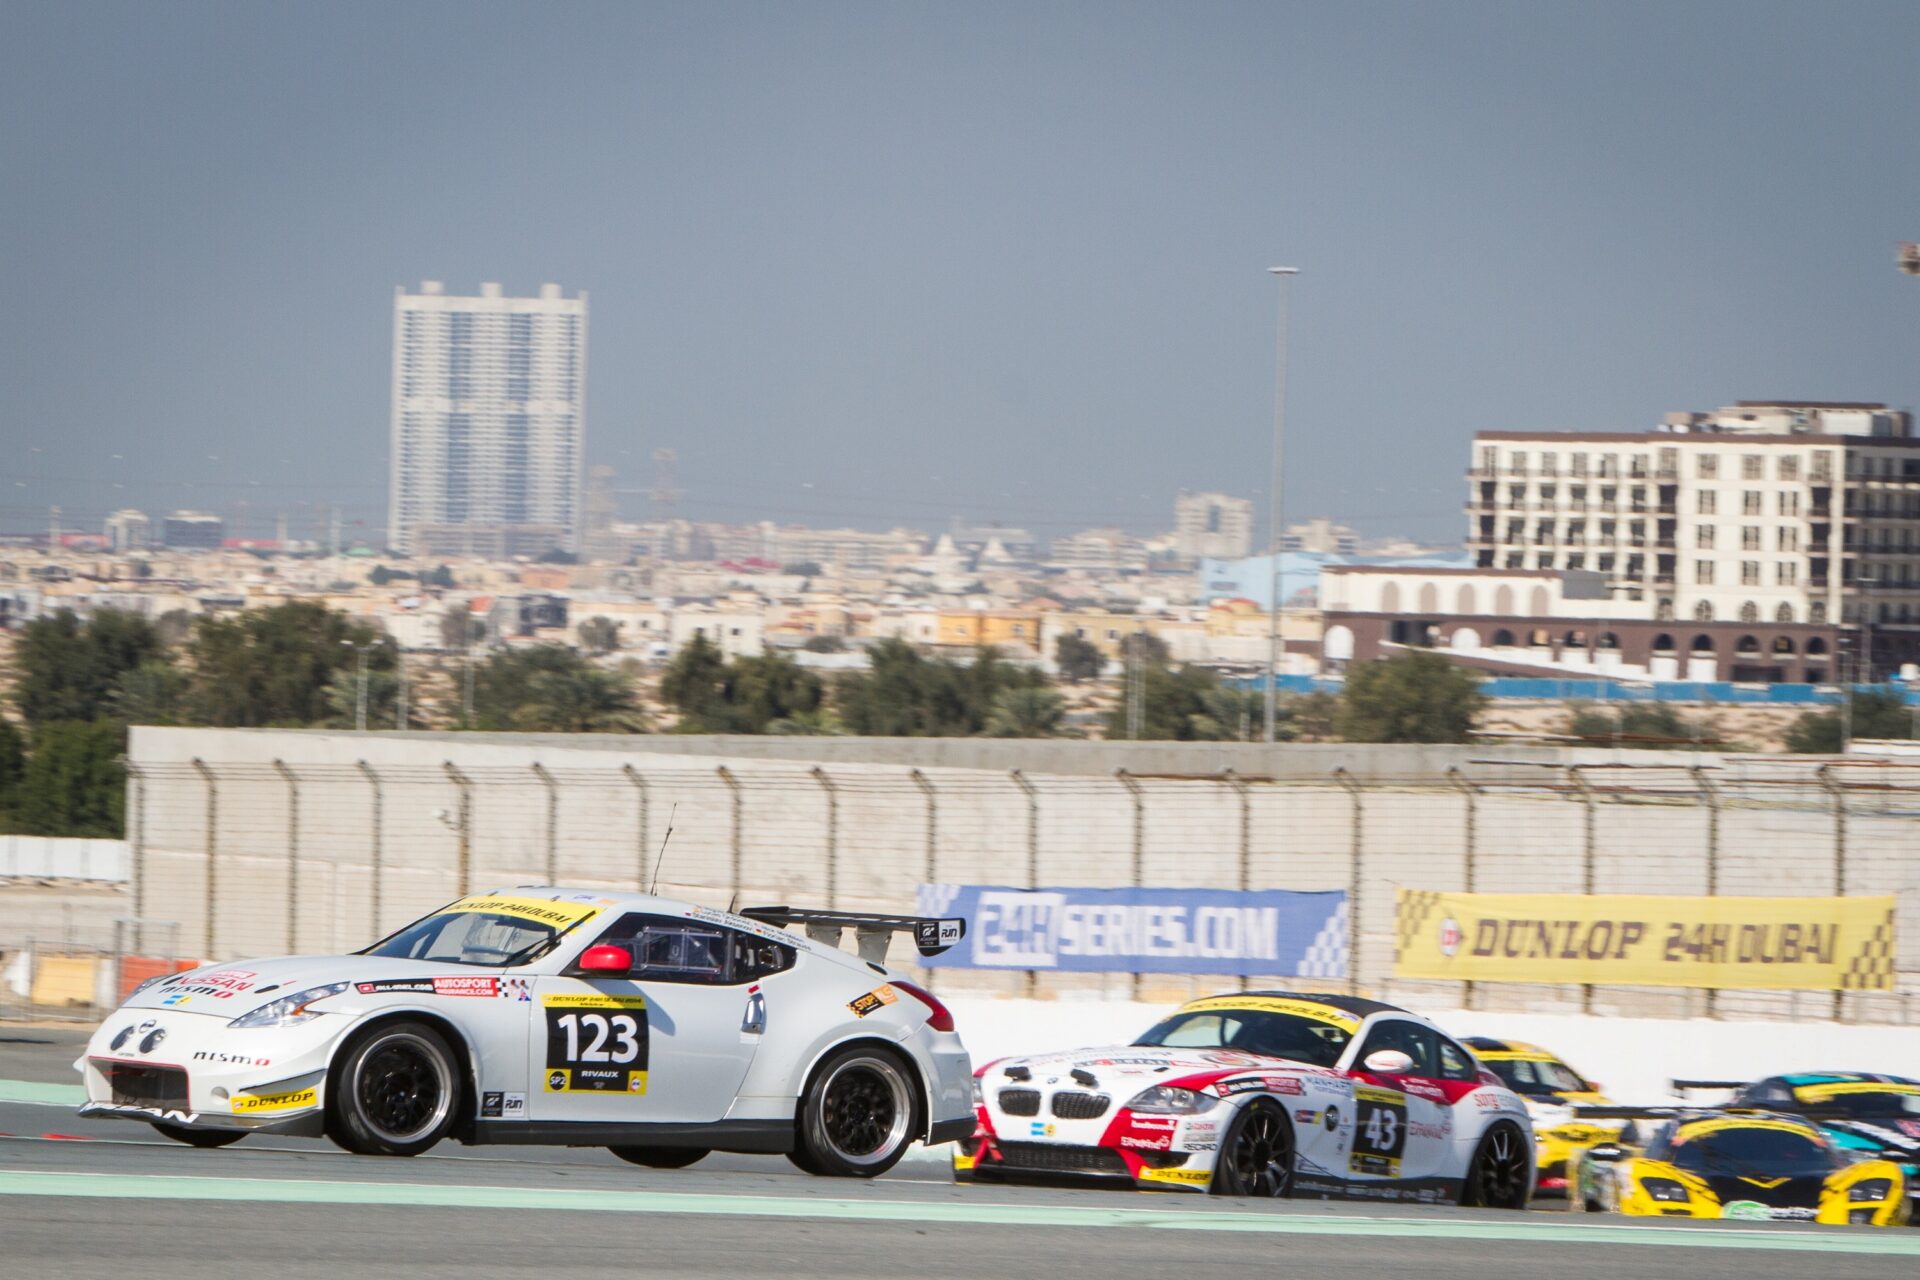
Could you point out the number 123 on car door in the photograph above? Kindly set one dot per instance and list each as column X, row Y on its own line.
column 596, row 1043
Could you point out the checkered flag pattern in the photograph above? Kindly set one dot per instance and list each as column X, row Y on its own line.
column 1414, row 908
column 1871, row 968
column 1327, row 956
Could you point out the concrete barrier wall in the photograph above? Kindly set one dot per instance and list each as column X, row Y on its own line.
column 267, row 842
column 54, row 858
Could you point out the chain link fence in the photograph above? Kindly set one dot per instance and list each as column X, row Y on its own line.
column 275, row 857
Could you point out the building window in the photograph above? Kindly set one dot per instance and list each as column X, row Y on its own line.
column 1703, row 612
column 1752, row 466
column 1788, row 573
column 1749, row 612
column 1789, row 540
column 1606, row 564
column 1823, row 466
column 1750, row 502
column 1549, row 464
column 1489, row 459
column 1703, row 537
column 1609, row 464
column 1789, row 504
column 1577, row 463
column 1749, row 573
column 1709, row 500
column 1576, row 561
column 1790, row 468
column 1703, row 572
column 1750, row 538
column 1515, row 560
column 1709, row 466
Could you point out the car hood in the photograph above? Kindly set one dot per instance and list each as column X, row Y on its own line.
column 1148, row 1064
column 229, row 990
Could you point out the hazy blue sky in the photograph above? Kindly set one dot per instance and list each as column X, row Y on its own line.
column 890, row 262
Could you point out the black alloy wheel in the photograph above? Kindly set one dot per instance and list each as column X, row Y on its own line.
column 662, row 1157
column 859, row 1115
column 1257, row 1157
column 206, row 1138
column 1497, row 1178
column 394, row 1092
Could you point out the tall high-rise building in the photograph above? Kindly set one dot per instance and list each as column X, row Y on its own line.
column 488, row 406
column 1212, row 525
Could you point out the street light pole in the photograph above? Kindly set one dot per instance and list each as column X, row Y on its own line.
column 1277, row 577
column 360, row 702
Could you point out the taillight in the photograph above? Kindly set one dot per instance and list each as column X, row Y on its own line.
column 940, row 1018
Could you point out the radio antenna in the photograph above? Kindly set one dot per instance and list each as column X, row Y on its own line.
column 663, row 848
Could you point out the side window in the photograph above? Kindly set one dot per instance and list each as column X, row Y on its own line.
column 1456, row 1063
column 670, row 949
column 1409, row 1038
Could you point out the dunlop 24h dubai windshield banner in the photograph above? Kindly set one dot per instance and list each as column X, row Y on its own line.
column 1275, row 932
column 1805, row 944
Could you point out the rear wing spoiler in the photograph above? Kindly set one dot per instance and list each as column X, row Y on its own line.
column 1703, row 1086
column 871, row 932
column 1698, row 1111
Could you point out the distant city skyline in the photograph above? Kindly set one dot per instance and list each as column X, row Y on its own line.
column 884, row 267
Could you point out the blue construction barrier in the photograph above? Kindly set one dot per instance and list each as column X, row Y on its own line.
column 1539, row 688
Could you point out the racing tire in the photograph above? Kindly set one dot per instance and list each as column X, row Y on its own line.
column 860, row 1113
column 662, row 1157
column 800, row 1160
column 395, row 1091
column 1256, row 1156
column 205, row 1138
column 1499, row 1173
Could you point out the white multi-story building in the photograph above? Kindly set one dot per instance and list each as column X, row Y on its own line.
column 1212, row 526
column 129, row 530
column 488, row 409
column 1777, row 512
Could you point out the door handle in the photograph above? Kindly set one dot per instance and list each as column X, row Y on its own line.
column 755, row 1021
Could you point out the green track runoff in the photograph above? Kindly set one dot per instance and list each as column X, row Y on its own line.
column 1540, row 1230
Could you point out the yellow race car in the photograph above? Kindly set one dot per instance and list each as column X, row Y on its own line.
column 1745, row 1165
column 1551, row 1089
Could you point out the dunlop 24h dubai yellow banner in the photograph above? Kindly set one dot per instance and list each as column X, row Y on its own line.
column 1806, row 944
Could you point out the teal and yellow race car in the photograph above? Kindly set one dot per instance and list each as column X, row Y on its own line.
column 1742, row 1165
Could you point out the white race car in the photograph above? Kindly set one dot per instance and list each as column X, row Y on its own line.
column 658, row 1029
column 1268, row 1094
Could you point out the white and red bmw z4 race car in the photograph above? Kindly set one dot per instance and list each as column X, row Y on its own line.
column 1264, row 1094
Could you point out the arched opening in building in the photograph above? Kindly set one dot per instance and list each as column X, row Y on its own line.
column 1663, row 643
column 1783, row 647
column 1465, row 601
column 1503, row 639
column 1749, row 612
column 1539, row 605
column 1747, row 646
column 1464, row 638
column 1429, row 598
column 1702, row 643
column 1703, row 612
column 1390, row 598
column 1784, row 613
column 1574, row 639
column 1503, row 601
column 1337, row 644
column 1817, row 611
column 1608, row 640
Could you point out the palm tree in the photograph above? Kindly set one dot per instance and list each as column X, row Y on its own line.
column 1030, row 711
column 581, row 700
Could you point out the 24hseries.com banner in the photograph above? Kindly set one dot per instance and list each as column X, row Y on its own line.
column 1806, row 944
column 1276, row 932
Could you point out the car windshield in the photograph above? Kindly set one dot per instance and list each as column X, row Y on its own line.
column 1538, row 1079
column 1774, row 1153
column 1863, row 1104
column 1273, row 1035
column 486, row 939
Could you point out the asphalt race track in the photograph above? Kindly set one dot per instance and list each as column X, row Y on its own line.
column 109, row 1198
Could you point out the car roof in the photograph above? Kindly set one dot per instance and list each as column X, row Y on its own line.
column 1513, row 1048
column 1802, row 1079
column 1358, row 1006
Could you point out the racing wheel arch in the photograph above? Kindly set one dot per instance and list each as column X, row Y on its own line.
column 462, row 1128
column 923, row 1091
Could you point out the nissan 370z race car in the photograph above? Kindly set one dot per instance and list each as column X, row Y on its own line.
column 1754, row 1165
column 656, row 1028
column 1267, row 1094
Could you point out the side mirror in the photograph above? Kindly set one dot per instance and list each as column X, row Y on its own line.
column 606, row 959
column 1607, row 1153
column 1594, row 1086
column 1388, row 1062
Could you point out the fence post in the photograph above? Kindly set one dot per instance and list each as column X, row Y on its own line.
column 733, row 785
column 833, row 837
column 1355, row 854
column 211, row 854
column 293, row 854
column 464, row 865
column 1033, row 853
column 1710, row 794
column 1587, row 861
column 933, row 822
column 376, row 850
column 1245, row 798
column 1138, row 793
column 640, row 787
column 553, row 821
column 1470, row 868
column 1838, row 794
column 137, row 852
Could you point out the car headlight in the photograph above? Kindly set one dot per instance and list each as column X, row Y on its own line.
column 288, row 1010
column 1665, row 1189
column 979, row 1097
column 1170, row 1100
column 1871, row 1189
